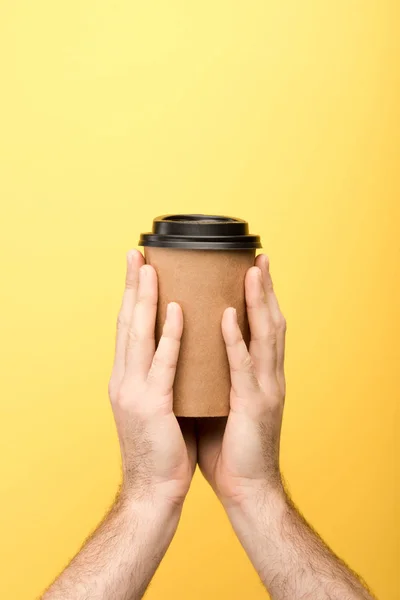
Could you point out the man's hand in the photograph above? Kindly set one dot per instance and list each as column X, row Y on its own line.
column 241, row 459
column 158, row 458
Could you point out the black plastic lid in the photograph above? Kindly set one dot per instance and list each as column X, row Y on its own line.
column 200, row 232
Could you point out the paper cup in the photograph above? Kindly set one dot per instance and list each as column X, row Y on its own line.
column 201, row 262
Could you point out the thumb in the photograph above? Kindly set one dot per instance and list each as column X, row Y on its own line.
column 243, row 376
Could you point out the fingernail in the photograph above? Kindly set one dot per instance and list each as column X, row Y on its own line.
column 170, row 309
column 234, row 313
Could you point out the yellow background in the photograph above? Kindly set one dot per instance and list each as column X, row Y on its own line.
column 284, row 113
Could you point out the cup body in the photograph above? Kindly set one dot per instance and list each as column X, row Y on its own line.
column 204, row 283
column 201, row 262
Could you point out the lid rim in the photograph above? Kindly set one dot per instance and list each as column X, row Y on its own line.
column 193, row 231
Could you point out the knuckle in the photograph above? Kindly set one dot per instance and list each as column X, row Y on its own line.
column 256, row 301
column 274, row 400
column 163, row 363
column 146, row 299
column 270, row 337
column 113, row 388
column 272, row 409
column 156, row 365
column 234, row 343
column 123, row 397
column 271, row 390
column 170, row 336
column 122, row 322
column 269, row 284
column 247, row 363
column 132, row 338
column 282, row 325
column 130, row 282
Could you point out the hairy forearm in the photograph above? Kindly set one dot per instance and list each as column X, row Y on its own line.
column 291, row 559
column 118, row 561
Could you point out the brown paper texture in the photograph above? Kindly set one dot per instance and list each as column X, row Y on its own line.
column 204, row 283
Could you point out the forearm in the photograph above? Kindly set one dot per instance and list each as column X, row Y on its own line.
column 291, row 559
column 120, row 558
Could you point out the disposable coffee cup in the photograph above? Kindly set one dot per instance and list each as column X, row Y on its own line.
column 201, row 262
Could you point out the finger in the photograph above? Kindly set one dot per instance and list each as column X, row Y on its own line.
column 263, row 348
column 134, row 261
column 279, row 320
column 163, row 369
column 141, row 342
column 243, row 377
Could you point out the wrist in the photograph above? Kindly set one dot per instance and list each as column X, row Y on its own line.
column 255, row 495
column 260, row 509
column 258, row 522
column 150, row 513
column 159, row 498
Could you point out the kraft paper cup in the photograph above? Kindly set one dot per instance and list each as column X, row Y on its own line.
column 201, row 262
